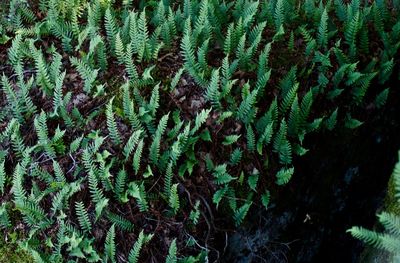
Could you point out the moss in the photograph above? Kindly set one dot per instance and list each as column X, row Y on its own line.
column 391, row 203
column 11, row 252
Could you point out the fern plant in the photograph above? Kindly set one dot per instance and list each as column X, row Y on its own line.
column 155, row 98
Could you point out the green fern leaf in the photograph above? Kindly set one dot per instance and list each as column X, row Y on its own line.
column 3, row 177
column 83, row 217
column 120, row 222
column 174, row 198
column 109, row 245
column 212, row 92
column 322, row 37
column 112, row 125
column 137, row 157
column 284, row 175
column 265, row 199
column 135, row 251
column 230, row 139
column 241, row 213
column 171, row 257
column 279, row 16
column 131, row 143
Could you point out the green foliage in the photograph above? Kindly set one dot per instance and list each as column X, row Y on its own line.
column 86, row 72
column 109, row 245
column 112, row 125
column 246, row 111
column 230, row 139
column 381, row 98
column 83, row 217
column 322, row 36
column 265, row 199
column 154, row 98
column 120, row 222
column 195, row 213
column 171, row 258
column 241, row 213
column 3, row 176
column 283, row 176
column 135, row 251
column 212, row 92
column 43, row 135
column 131, row 143
column 174, row 198
column 279, row 15
column 155, row 145
column 282, row 145
column 331, row 120
column 139, row 193
column 388, row 240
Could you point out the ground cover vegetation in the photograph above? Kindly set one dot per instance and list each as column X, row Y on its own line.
column 128, row 128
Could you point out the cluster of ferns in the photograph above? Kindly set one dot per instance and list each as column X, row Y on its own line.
column 263, row 68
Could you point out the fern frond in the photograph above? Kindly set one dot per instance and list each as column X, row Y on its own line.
column 111, row 27
column 230, row 139
column 195, row 213
column 131, row 143
column 139, row 193
column 97, row 194
column 391, row 222
column 120, row 183
column 109, row 245
column 221, row 176
column 212, row 92
column 58, row 172
column 331, row 120
column 3, row 176
column 12, row 98
column 241, row 213
column 367, row 236
column 247, row 110
column 265, row 199
column 381, row 98
column 43, row 134
column 352, row 28
column 86, row 72
column 201, row 118
column 155, row 145
column 57, row 97
column 236, row 156
column 322, row 36
column 279, row 16
column 112, row 125
column 137, row 247
column 284, row 175
column 120, row 222
column 137, row 157
column 119, row 49
column 289, row 98
column 173, row 199
column 282, row 145
column 42, row 71
column 83, row 217
column 251, row 138
column 266, row 137
column 171, row 257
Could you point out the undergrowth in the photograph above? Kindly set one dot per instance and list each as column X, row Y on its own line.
column 127, row 129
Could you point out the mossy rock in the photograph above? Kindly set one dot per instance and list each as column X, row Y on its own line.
column 391, row 203
column 373, row 255
column 12, row 253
